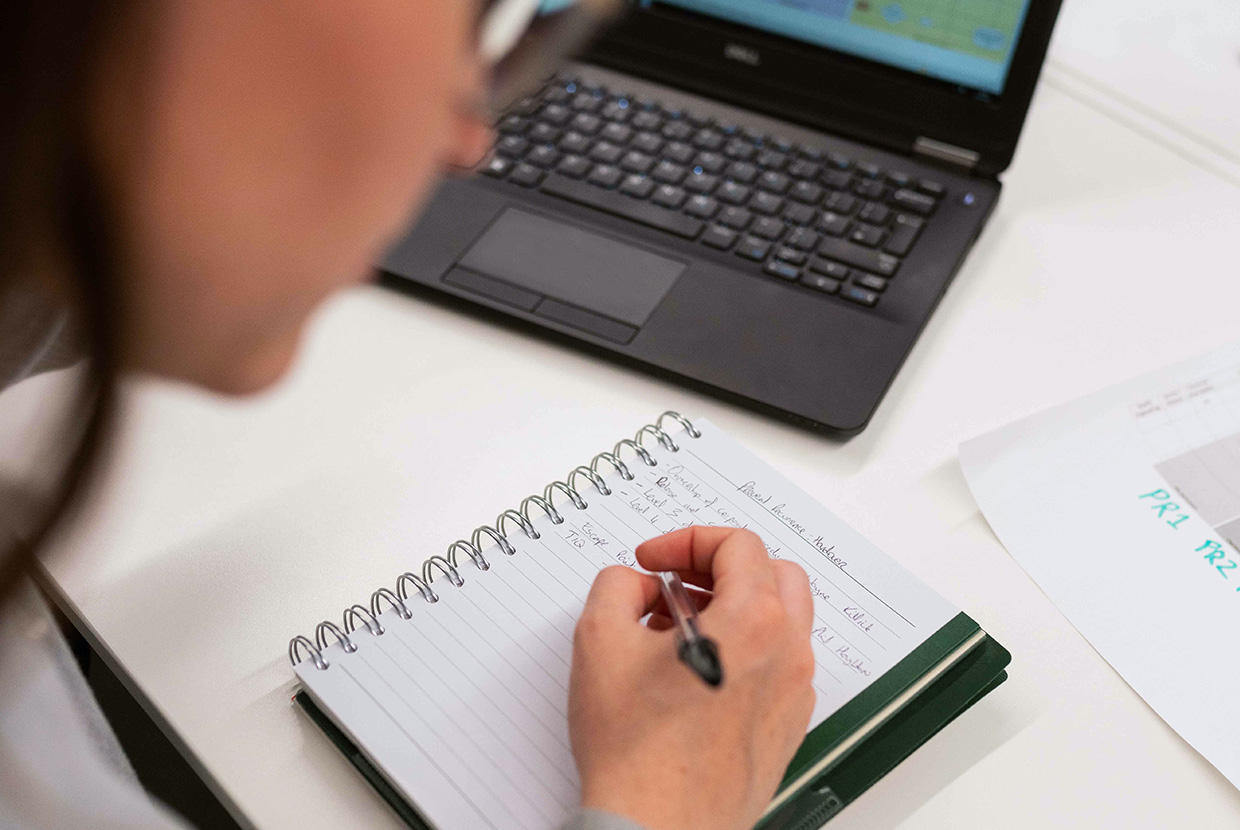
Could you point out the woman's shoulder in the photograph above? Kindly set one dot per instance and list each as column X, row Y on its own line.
column 62, row 765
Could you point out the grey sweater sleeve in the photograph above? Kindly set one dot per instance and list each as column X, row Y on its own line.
column 595, row 820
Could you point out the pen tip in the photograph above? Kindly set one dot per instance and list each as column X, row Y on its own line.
column 703, row 657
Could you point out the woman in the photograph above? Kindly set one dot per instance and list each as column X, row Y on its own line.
column 183, row 184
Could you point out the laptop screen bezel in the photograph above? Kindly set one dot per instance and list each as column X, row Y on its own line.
column 865, row 100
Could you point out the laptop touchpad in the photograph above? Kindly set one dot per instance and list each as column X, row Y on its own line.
column 564, row 262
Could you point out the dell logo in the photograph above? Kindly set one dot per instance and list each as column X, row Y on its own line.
column 742, row 54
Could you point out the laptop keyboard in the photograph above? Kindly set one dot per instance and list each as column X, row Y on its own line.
column 798, row 213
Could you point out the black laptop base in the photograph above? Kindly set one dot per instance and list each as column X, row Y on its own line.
column 795, row 312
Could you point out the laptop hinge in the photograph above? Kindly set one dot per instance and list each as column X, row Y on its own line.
column 941, row 151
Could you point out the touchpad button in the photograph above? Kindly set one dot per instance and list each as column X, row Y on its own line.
column 585, row 269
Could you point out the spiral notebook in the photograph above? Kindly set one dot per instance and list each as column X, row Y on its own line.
column 448, row 690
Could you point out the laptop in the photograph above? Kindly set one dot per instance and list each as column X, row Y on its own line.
column 763, row 199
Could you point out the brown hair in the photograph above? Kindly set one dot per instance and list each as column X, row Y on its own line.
column 52, row 211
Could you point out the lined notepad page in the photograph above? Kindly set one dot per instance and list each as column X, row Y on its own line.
column 464, row 707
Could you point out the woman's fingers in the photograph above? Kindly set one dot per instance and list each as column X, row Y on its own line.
column 729, row 555
column 621, row 594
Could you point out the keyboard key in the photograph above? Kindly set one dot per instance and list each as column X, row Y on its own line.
column 800, row 214
column 557, row 114
column 513, row 146
column 791, row 255
column 820, row 283
column 870, row 171
column 814, row 154
column 678, row 152
column 719, row 237
column 497, row 167
column 831, row 269
column 614, row 112
column 728, row 127
column 698, row 120
column 585, row 123
column 806, row 170
column 912, row 200
column 842, row 203
column 833, row 224
column 870, row 188
column 806, row 192
column 931, row 187
column 585, row 102
column 668, row 173
column 526, row 175
column 606, row 152
column 620, row 205
column 543, row 134
column 874, row 213
column 783, row 270
column 869, row 281
column 743, row 172
column 616, row 133
column 701, row 183
column 782, row 143
column 710, row 162
column 605, row 175
column 637, row 186
column 763, row 202
column 837, row 179
column 739, row 149
column 513, row 125
column 904, row 235
column 636, row 162
column 867, row 235
column 768, row 228
column 772, row 160
column 574, row 166
column 669, row 196
column 648, row 121
column 733, row 193
column 647, row 143
column 859, row 295
column 735, row 217
column 542, row 156
column 707, row 140
column 899, row 178
column 858, row 256
column 677, row 131
column 703, row 207
column 753, row 248
column 774, row 182
column 575, row 143
column 839, row 162
column 803, row 239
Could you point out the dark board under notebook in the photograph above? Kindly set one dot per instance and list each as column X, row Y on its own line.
column 449, row 691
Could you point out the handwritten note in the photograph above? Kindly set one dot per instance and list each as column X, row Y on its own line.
column 869, row 612
column 465, row 705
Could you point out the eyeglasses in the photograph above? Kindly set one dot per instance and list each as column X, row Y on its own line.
column 523, row 41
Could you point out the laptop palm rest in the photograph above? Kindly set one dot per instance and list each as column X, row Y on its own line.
column 566, row 273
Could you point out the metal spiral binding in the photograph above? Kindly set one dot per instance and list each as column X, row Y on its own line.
column 355, row 612
column 450, row 563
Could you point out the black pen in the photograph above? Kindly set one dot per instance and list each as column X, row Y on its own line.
column 695, row 650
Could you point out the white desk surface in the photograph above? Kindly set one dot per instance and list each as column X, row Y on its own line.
column 226, row 528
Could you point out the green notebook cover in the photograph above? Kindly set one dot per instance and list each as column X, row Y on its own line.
column 828, row 791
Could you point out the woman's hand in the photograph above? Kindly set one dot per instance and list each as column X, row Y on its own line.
column 653, row 743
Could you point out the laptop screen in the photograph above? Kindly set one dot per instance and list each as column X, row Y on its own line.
column 964, row 42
